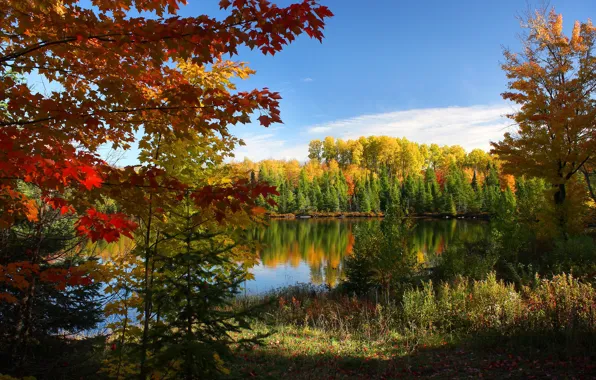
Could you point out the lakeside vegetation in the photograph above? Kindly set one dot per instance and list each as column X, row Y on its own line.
column 460, row 329
column 499, row 306
column 315, row 250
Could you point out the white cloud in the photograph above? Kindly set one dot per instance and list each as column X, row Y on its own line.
column 307, row 80
column 268, row 145
column 471, row 127
column 298, row 152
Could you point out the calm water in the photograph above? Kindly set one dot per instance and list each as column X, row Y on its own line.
column 313, row 251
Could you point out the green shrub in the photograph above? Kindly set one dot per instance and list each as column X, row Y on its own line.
column 561, row 305
column 452, row 301
column 493, row 305
column 383, row 257
column 575, row 255
column 420, row 308
column 360, row 264
column 473, row 260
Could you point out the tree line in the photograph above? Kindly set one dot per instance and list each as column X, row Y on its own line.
column 375, row 173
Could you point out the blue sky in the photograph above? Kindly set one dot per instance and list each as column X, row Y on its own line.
column 427, row 70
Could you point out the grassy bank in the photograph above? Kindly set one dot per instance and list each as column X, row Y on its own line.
column 458, row 330
column 302, row 353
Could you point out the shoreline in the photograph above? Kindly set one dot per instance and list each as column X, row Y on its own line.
column 343, row 215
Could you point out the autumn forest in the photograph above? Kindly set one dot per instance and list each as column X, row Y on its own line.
column 376, row 173
column 375, row 257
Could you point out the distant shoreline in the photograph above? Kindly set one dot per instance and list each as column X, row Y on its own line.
column 342, row 215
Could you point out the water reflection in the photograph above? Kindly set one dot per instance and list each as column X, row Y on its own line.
column 293, row 251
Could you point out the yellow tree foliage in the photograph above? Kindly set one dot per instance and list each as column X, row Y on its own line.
column 552, row 80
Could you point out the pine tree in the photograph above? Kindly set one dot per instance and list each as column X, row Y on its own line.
column 434, row 190
column 474, row 182
column 363, row 197
column 373, row 188
column 328, row 200
column 420, row 206
column 194, row 285
column 507, row 205
column 263, row 175
column 428, row 199
column 291, row 200
column 491, row 190
column 342, row 192
column 450, row 206
column 317, row 197
column 302, row 202
column 334, row 204
column 32, row 336
column 286, row 202
column 282, row 201
column 395, row 196
column 409, row 194
column 385, row 189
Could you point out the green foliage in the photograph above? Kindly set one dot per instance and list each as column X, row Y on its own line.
column 363, row 197
column 383, row 255
column 469, row 184
column 315, row 150
column 195, row 271
column 479, row 306
column 491, row 190
column 359, row 265
column 459, row 191
column 449, row 206
column 575, row 255
column 472, row 259
column 420, row 309
column 35, row 334
column 561, row 307
column 493, row 305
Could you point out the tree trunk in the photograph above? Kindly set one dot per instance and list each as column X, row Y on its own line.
column 25, row 312
column 148, row 290
column 560, row 194
column 189, row 337
column 559, row 198
column 24, row 328
column 586, row 174
column 123, row 339
column 147, row 315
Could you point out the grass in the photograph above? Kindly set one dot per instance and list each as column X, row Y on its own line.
column 465, row 329
column 306, row 353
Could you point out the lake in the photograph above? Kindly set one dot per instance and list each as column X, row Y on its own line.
column 313, row 250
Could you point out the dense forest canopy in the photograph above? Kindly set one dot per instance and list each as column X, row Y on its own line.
column 372, row 173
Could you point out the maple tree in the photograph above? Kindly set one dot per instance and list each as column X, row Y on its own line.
column 552, row 80
column 111, row 77
column 182, row 255
column 197, row 162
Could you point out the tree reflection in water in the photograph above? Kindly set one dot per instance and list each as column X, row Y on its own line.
column 313, row 250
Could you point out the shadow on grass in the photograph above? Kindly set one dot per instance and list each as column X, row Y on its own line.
column 57, row 359
column 487, row 357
